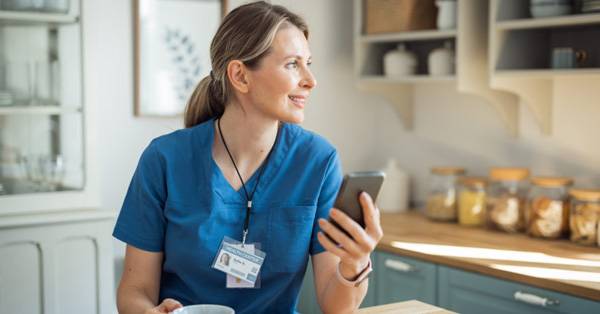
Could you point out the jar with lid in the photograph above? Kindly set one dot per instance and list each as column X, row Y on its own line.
column 441, row 202
column 471, row 201
column 506, row 198
column 547, row 213
column 585, row 216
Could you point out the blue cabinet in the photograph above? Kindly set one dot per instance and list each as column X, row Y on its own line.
column 467, row 292
column 307, row 301
column 402, row 278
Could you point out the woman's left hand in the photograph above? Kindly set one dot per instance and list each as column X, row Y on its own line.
column 354, row 252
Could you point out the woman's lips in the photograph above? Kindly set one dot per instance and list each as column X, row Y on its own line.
column 298, row 101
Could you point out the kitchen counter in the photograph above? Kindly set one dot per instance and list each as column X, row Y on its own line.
column 406, row 307
column 557, row 265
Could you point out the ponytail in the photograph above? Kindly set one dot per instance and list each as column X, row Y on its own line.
column 207, row 102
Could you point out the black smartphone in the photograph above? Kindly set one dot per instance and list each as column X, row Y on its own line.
column 347, row 199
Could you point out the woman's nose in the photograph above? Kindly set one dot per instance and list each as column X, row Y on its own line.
column 308, row 81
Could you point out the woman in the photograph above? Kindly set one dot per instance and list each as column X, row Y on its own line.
column 243, row 169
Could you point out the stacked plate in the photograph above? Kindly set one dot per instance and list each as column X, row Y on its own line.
column 547, row 8
column 589, row 6
column 6, row 98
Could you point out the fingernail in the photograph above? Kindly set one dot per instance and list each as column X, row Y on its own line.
column 333, row 212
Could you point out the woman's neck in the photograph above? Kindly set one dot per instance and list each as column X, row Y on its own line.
column 249, row 136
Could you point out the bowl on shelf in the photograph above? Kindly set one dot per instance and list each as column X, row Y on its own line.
column 548, row 8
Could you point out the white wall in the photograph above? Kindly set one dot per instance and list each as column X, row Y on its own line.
column 450, row 129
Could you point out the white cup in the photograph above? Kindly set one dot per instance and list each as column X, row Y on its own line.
column 204, row 309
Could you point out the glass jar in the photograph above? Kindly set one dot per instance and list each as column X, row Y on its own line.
column 547, row 213
column 471, row 201
column 585, row 216
column 506, row 197
column 441, row 202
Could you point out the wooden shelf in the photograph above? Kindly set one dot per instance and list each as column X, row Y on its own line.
column 378, row 79
column 546, row 73
column 549, row 22
column 37, row 110
column 409, row 36
column 37, row 17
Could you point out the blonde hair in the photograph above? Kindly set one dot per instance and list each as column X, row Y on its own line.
column 246, row 34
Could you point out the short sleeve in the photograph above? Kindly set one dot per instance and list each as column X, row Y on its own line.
column 141, row 222
column 329, row 190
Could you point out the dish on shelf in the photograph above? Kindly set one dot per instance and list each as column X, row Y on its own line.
column 548, row 9
column 6, row 98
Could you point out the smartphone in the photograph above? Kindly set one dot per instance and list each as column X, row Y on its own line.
column 353, row 184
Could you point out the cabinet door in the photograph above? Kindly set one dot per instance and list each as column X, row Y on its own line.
column 307, row 300
column 403, row 278
column 467, row 292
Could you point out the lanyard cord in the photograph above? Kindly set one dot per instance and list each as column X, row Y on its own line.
column 249, row 197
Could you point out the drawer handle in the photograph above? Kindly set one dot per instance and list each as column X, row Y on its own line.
column 399, row 266
column 534, row 299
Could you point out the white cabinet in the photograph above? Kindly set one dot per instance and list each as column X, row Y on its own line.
column 46, row 156
column 57, row 263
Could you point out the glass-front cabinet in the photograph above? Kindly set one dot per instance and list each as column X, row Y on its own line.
column 42, row 122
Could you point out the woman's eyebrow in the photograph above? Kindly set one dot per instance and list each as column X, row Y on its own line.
column 298, row 57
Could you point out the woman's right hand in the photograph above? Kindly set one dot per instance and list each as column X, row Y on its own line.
column 166, row 306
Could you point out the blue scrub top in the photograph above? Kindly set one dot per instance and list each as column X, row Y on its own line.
column 179, row 203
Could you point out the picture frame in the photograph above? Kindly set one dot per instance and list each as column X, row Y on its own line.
column 171, row 52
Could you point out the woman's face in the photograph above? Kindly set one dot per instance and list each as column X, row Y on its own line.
column 282, row 82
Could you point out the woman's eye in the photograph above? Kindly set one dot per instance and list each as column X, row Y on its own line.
column 292, row 65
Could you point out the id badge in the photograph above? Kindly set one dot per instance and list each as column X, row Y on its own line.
column 239, row 262
column 235, row 282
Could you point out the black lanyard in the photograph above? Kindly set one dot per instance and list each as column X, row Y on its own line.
column 249, row 197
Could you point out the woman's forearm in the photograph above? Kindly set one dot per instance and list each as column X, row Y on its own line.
column 133, row 300
column 339, row 298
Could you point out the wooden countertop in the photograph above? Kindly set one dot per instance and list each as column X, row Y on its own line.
column 406, row 307
column 557, row 265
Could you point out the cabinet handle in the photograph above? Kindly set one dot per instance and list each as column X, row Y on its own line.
column 534, row 299
column 399, row 266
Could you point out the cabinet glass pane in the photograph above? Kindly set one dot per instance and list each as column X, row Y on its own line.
column 41, row 153
column 41, row 107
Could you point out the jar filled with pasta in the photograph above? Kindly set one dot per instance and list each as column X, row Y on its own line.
column 584, row 220
column 441, row 202
column 471, row 201
column 547, row 213
column 506, row 198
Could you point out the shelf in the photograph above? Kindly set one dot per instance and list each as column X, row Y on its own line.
column 378, row 79
column 409, row 36
column 547, row 73
column 37, row 17
column 549, row 22
column 37, row 110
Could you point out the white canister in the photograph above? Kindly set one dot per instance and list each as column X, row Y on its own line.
column 399, row 62
column 446, row 18
column 441, row 60
column 393, row 197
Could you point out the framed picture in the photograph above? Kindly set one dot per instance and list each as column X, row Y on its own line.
column 171, row 51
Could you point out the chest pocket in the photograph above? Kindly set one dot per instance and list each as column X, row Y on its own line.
column 290, row 230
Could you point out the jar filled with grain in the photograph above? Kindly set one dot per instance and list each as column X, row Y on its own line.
column 547, row 213
column 506, row 198
column 584, row 220
column 471, row 201
column 441, row 202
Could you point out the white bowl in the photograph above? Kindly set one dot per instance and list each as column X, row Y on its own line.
column 204, row 309
column 550, row 10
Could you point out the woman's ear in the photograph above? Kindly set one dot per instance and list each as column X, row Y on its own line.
column 237, row 74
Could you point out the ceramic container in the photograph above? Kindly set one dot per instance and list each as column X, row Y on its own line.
column 446, row 18
column 399, row 62
column 441, row 60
